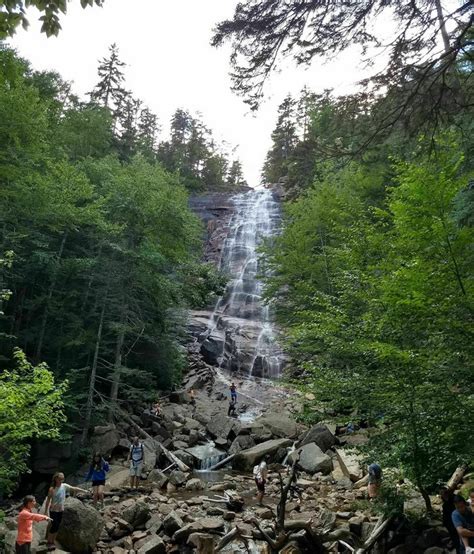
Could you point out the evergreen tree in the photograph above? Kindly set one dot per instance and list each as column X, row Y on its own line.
column 235, row 176
column 109, row 91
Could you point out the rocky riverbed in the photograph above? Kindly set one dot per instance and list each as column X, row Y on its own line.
column 185, row 511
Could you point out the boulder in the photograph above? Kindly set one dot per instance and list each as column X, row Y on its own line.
column 313, row 460
column 81, row 527
column 48, row 456
column 153, row 546
column 137, row 514
column 223, row 427
column 246, row 459
column 150, row 447
column 177, row 478
column 158, row 478
column 350, row 463
column 280, row 425
column 195, row 484
column 320, row 435
column 241, row 442
column 117, row 479
column 172, row 523
column 104, row 439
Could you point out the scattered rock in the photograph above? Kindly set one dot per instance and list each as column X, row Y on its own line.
column 153, row 546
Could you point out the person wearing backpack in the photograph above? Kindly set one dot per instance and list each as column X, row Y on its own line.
column 374, row 481
column 136, row 457
column 260, row 473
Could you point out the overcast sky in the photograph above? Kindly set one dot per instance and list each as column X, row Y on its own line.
column 171, row 64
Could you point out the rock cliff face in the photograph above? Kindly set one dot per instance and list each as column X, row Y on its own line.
column 238, row 333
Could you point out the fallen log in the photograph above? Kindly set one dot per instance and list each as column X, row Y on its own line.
column 361, row 482
column 232, row 535
column 222, row 463
column 456, row 477
column 378, row 531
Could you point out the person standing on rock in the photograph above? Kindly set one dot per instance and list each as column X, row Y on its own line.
column 98, row 473
column 374, row 481
column 26, row 517
column 136, row 457
column 55, row 505
column 260, row 473
column 231, row 411
column 233, row 393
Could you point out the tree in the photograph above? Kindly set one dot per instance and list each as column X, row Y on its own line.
column 235, row 176
column 109, row 91
column 422, row 55
column 31, row 407
column 13, row 14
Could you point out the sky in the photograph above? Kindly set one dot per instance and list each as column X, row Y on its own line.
column 171, row 64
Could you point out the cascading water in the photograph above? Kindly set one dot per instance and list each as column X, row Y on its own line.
column 240, row 334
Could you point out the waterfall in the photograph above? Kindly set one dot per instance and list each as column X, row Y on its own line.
column 240, row 334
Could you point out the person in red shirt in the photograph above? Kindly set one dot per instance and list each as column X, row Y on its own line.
column 25, row 525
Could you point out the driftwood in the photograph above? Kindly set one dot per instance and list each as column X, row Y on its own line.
column 379, row 530
column 222, row 463
column 171, row 457
column 456, row 477
column 233, row 534
column 232, row 500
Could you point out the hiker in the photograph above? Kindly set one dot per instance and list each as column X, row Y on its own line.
column 233, row 392
column 136, row 457
column 26, row 517
column 192, row 398
column 463, row 521
column 260, row 473
column 156, row 409
column 447, row 498
column 375, row 479
column 231, row 411
column 97, row 472
column 54, row 506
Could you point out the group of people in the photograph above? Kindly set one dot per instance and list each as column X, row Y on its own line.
column 459, row 519
column 53, row 507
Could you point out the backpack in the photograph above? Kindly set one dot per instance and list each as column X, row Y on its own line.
column 134, row 449
column 256, row 470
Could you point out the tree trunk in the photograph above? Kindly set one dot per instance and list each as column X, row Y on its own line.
column 52, row 286
column 442, row 25
column 90, row 398
column 117, row 363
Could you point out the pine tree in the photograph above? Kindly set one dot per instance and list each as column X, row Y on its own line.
column 235, row 176
column 109, row 91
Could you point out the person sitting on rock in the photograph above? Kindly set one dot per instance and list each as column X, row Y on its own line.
column 97, row 472
column 136, row 457
column 156, row 409
column 463, row 521
column 233, row 392
column 26, row 517
column 260, row 473
column 375, row 480
column 55, row 505
column 231, row 411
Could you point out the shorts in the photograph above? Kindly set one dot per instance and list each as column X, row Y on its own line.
column 99, row 483
column 260, row 484
column 23, row 548
column 57, row 517
column 136, row 469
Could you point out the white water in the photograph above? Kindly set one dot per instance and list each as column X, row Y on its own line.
column 241, row 329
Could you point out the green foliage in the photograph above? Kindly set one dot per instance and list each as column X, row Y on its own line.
column 31, row 406
column 372, row 281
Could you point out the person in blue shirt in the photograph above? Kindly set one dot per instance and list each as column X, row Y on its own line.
column 463, row 521
column 97, row 472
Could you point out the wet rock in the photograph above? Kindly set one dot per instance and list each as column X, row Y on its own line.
column 137, row 514
column 195, row 484
column 320, row 435
column 185, row 457
column 246, row 459
column 81, row 527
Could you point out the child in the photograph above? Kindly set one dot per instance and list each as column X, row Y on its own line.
column 25, row 525
column 97, row 472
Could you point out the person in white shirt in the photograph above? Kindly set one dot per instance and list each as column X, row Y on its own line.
column 260, row 473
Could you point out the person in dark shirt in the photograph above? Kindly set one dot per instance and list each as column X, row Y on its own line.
column 447, row 498
column 463, row 521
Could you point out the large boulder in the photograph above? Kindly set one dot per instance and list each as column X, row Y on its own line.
column 320, row 435
column 80, row 528
column 150, row 447
column 350, row 463
column 241, row 442
column 246, row 459
column 280, row 425
column 104, row 439
column 223, row 427
column 137, row 514
column 313, row 460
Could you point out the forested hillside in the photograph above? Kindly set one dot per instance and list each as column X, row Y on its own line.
column 99, row 251
column 372, row 276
